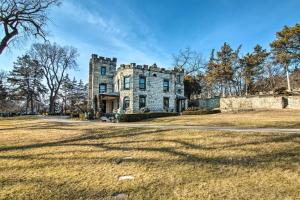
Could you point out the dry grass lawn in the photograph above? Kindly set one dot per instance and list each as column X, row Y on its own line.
column 254, row 119
column 50, row 160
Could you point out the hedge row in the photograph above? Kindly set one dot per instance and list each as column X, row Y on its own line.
column 141, row 116
column 200, row 112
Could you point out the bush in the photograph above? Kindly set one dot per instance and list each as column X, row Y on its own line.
column 200, row 112
column 141, row 116
column 193, row 108
column 74, row 115
column 281, row 90
column 82, row 116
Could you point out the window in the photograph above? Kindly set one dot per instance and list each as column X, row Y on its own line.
column 126, row 102
column 126, row 83
column 142, row 83
column 102, row 88
column 178, row 78
column 142, row 101
column 166, row 85
column 166, row 103
column 179, row 91
column 103, row 71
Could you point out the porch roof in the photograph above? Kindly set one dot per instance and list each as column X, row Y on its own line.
column 179, row 97
column 109, row 96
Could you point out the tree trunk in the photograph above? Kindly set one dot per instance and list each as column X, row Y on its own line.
column 288, row 78
column 27, row 104
column 51, row 104
column 31, row 104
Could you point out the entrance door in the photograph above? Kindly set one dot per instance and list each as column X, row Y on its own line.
column 178, row 106
column 103, row 106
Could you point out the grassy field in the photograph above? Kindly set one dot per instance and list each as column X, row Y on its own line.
column 254, row 119
column 51, row 160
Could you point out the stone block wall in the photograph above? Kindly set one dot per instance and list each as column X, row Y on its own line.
column 259, row 102
column 293, row 102
column 210, row 103
column 95, row 77
column 114, row 79
column 154, row 87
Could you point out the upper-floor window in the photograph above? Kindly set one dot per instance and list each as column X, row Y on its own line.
column 166, row 103
column 102, row 88
column 142, row 83
column 142, row 101
column 103, row 70
column 126, row 83
column 166, row 85
column 178, row 78
column 126, row 102
column 179, row 91
column 118, row 85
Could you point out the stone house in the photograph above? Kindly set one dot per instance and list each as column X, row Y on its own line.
column 133, row 88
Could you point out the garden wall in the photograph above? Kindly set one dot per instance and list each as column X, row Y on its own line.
column 259, row 102
column 209, row 103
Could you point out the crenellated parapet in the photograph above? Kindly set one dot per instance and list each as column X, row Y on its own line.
column 103, row 60
column 153, row 68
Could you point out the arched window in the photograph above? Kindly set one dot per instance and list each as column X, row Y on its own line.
column 126, row 102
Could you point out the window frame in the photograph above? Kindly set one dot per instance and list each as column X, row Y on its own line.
column 178, row 78
column 166, row 106
column 124, row 81
column 126, row 102
column 102, row 84
column 101, row 71
column 142, row 78
column 145, row 101
column 167, row 87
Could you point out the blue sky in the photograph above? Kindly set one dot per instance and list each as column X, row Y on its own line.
column 148, row 31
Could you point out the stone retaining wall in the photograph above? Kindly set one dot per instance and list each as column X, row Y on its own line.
column 210, row 103
column 294, row 102
column 259, row 102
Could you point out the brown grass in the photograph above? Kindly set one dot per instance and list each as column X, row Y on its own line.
column 43, row 160
column 254, row 119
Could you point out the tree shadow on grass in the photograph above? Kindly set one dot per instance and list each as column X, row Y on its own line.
column 42, row 126
column 51, row 188
column 89, row 136
column 179, row 153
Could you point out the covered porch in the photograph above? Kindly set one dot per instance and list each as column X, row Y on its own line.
column 106, row 103
column 181, row 103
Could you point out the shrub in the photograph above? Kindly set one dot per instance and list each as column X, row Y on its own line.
column 193, row 108
column 74, row 115
column 82, row 116
column 200, row 112
column 141, row 116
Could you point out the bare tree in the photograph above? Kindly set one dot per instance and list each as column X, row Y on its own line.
column 23, row 17
column 55, row 61
column 192, row 61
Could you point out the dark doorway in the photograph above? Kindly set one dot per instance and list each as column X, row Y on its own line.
column 178, row 106
column 103, row 109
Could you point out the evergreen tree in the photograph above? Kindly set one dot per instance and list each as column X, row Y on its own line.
column 26, row 78
column 3, row 90
column 253, row 67
column 224, row 63
column 286, row 49
column 66, row 91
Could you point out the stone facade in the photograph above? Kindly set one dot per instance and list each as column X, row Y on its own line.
column 132, row 88
column 206, row 103
column 259, row 103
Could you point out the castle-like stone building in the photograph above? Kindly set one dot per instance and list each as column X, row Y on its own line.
column 133, row 88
